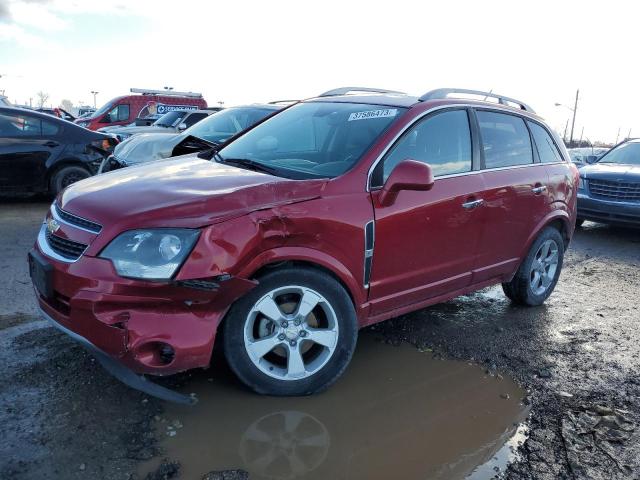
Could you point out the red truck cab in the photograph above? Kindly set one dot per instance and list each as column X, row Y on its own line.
column 143, row 103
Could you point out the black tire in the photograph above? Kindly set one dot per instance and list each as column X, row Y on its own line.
column 579, row 222
column 235, row 320
column 67, row 175
column 519, row 289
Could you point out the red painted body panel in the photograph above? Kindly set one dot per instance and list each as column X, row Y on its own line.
column 428, row 248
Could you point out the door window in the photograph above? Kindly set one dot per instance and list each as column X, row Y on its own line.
column 194, row 118
column 547, row 149
column 505, row 140
column 119, row 113
column 442, row 140
column 20, row 126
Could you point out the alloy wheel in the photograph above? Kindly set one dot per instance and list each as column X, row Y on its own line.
column 544, row 267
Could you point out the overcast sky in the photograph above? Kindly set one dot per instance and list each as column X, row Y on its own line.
column 254, row 51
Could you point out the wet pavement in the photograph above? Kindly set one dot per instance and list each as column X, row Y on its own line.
column 395, row 412
column 428, row 401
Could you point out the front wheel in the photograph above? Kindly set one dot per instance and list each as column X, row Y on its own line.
column 294, row 334
column 539, row 272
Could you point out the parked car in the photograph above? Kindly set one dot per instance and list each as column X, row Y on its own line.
column 586, row 155
column 170, row 122
column 57, row 112
column 210, row 132
column 85, row 111
column 124, row 110
column 4, row 101
column 609, row 189
column 336, row 213
column 41, row 153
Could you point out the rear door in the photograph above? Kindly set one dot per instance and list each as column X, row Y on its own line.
column 514, row 196
column 26, row 145
column 426, row 241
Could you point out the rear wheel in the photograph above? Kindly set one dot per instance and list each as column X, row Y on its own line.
column 66, row 176
column 539, row 272
column 294, row 334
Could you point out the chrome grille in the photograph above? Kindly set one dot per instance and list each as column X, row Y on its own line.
column 64, row 247
column 613, row 190
column 77, row 221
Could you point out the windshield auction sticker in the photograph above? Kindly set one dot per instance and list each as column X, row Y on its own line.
column 387, row 112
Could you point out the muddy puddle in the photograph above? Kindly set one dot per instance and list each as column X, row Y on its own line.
column 396, row 413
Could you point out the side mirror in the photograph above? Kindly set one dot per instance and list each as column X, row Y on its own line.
column 408, row 175
column 591, row 159
column 182, row 126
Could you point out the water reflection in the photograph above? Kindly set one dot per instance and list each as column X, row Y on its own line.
column 396, row 413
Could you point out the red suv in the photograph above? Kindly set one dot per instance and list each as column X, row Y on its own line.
column 336, row 213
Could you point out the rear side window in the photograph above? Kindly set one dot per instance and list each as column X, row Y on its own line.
column 20, row 126
column 443, row 141
column 49, row 128
column 547, row 149
column 505, row 140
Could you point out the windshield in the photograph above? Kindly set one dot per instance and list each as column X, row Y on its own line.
column 103, row 109
column 223, row 125
column 627, row 154
column 170, row 119
column 313, row 139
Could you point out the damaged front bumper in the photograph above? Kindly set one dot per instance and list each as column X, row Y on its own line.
column 122, row 373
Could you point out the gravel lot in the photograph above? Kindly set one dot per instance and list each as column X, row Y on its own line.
column 62, row 416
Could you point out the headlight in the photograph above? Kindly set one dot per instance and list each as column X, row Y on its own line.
column 581, row 184
column 150, row 254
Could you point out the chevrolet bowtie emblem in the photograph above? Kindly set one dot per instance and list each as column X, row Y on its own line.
column 52, row 226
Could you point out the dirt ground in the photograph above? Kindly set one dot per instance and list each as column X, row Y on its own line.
column 62, row 416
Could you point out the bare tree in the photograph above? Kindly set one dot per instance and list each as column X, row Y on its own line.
column 67, row 105
column 42, row 98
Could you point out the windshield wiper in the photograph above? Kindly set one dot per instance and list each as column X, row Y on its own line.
column 251, row 164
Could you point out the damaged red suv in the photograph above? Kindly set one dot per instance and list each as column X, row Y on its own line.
column 338, row 212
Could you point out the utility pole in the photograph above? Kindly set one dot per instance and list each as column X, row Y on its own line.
column 94, row 97
column 617, row 136
column 566, row 125
column 629, row 136
column 573, row 122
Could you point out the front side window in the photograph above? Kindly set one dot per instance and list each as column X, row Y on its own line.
column 505, row 140
column 314, row 139
column 119, row 113
column 442, row 140
column 20, row 126
column 194, row 118
column 625, row 154
column 547, row 150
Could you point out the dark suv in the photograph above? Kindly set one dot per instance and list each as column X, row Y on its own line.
column 336, row 213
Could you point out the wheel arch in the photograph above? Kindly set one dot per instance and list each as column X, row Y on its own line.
column 309, row 258
column 558, row 219
column 66, row 162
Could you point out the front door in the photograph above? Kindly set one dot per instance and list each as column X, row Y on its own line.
column 426, row 241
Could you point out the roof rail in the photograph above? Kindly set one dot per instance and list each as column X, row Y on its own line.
column 441, row 93
column 277, row 102
column 169, row 93
column 346, row 90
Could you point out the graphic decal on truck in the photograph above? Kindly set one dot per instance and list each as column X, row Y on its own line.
column 156, row 108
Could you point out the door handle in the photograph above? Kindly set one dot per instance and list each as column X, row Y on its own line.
column 540, row 189
column 51, row 144
column 470, row 205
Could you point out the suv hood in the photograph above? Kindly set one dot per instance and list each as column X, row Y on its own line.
column 611, row 171
column 185, row 192
column 146, row 147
